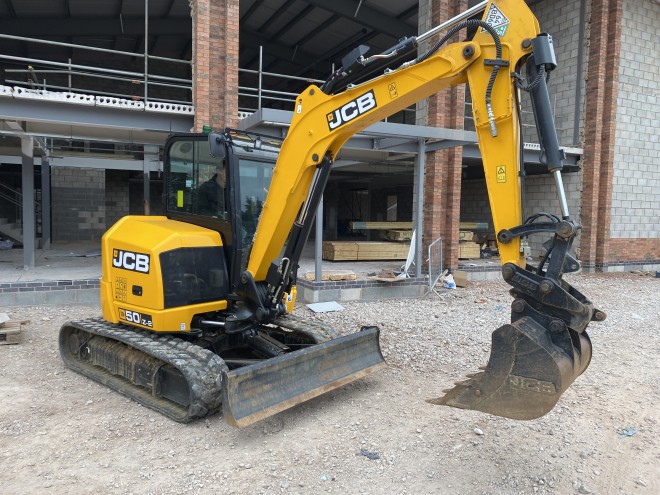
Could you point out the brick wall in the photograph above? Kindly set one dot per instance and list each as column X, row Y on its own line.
column 636, row 182
column 78, row 203
column 442, row 179
column 215, row 62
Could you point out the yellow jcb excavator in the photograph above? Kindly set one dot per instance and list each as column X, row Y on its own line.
column 196, row 303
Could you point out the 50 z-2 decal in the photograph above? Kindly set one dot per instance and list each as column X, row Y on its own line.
column 354, row 108
column 136, row 317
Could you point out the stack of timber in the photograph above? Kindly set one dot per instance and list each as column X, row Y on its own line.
column 467, row 247
column 364, row 251
column 409, row 225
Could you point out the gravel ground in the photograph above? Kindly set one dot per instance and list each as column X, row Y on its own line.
column 61, row 433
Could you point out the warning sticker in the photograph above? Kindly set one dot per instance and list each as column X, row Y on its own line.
column 497, row 20
column 501, row 173
column 392, row 89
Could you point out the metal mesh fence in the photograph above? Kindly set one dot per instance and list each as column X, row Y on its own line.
column 435, row 263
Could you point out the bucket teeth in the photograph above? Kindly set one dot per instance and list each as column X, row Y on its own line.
column 526, row 373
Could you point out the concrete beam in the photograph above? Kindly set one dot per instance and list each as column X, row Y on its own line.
column 13, row 109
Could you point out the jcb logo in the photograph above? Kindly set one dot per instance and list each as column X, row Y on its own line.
column 352, row 109
column 128, row 260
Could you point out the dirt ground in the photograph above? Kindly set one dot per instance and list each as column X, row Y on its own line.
column 61, row 433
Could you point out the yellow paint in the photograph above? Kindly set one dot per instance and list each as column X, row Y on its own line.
column 179, row 199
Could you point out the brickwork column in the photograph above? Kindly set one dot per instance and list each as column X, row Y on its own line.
column 215, row 62
column 599, row 129
column 442, row 180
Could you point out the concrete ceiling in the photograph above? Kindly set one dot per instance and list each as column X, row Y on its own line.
column 300, row 37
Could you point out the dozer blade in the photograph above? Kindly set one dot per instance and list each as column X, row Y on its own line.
column 254, row 392
column 528, row 370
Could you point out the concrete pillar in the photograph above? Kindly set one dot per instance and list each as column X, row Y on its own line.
column 215, row 62
column 418, row 195
column 150, row 155
column 442, row 181
column 318, row 244
column 27, row 189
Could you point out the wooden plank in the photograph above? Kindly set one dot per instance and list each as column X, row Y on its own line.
column 10, row 330
column 10, row 335
column 332, row 275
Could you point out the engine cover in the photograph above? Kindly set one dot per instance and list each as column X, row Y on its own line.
column 158, row 273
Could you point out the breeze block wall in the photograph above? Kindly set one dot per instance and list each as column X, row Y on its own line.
column 78, row 200
column 635, row 209
column 561, row 19
column 117, row 200
column 541, row 196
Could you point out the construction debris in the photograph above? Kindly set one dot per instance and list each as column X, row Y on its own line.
column 10, row 331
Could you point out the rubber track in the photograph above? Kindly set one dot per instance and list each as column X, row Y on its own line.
column 201, row 368
column 319, row 332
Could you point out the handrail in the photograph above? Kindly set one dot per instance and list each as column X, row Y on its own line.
column 145, row 79
column 261, row 94
column 15, row 192
column 92, row 48
column 18, row 204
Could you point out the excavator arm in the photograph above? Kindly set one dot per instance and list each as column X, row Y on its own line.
column 545, row 347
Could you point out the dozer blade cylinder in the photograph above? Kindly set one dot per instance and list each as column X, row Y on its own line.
column 254, row 392
column 528, row 370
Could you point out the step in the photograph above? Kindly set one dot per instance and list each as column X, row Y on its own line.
column 13, row 231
